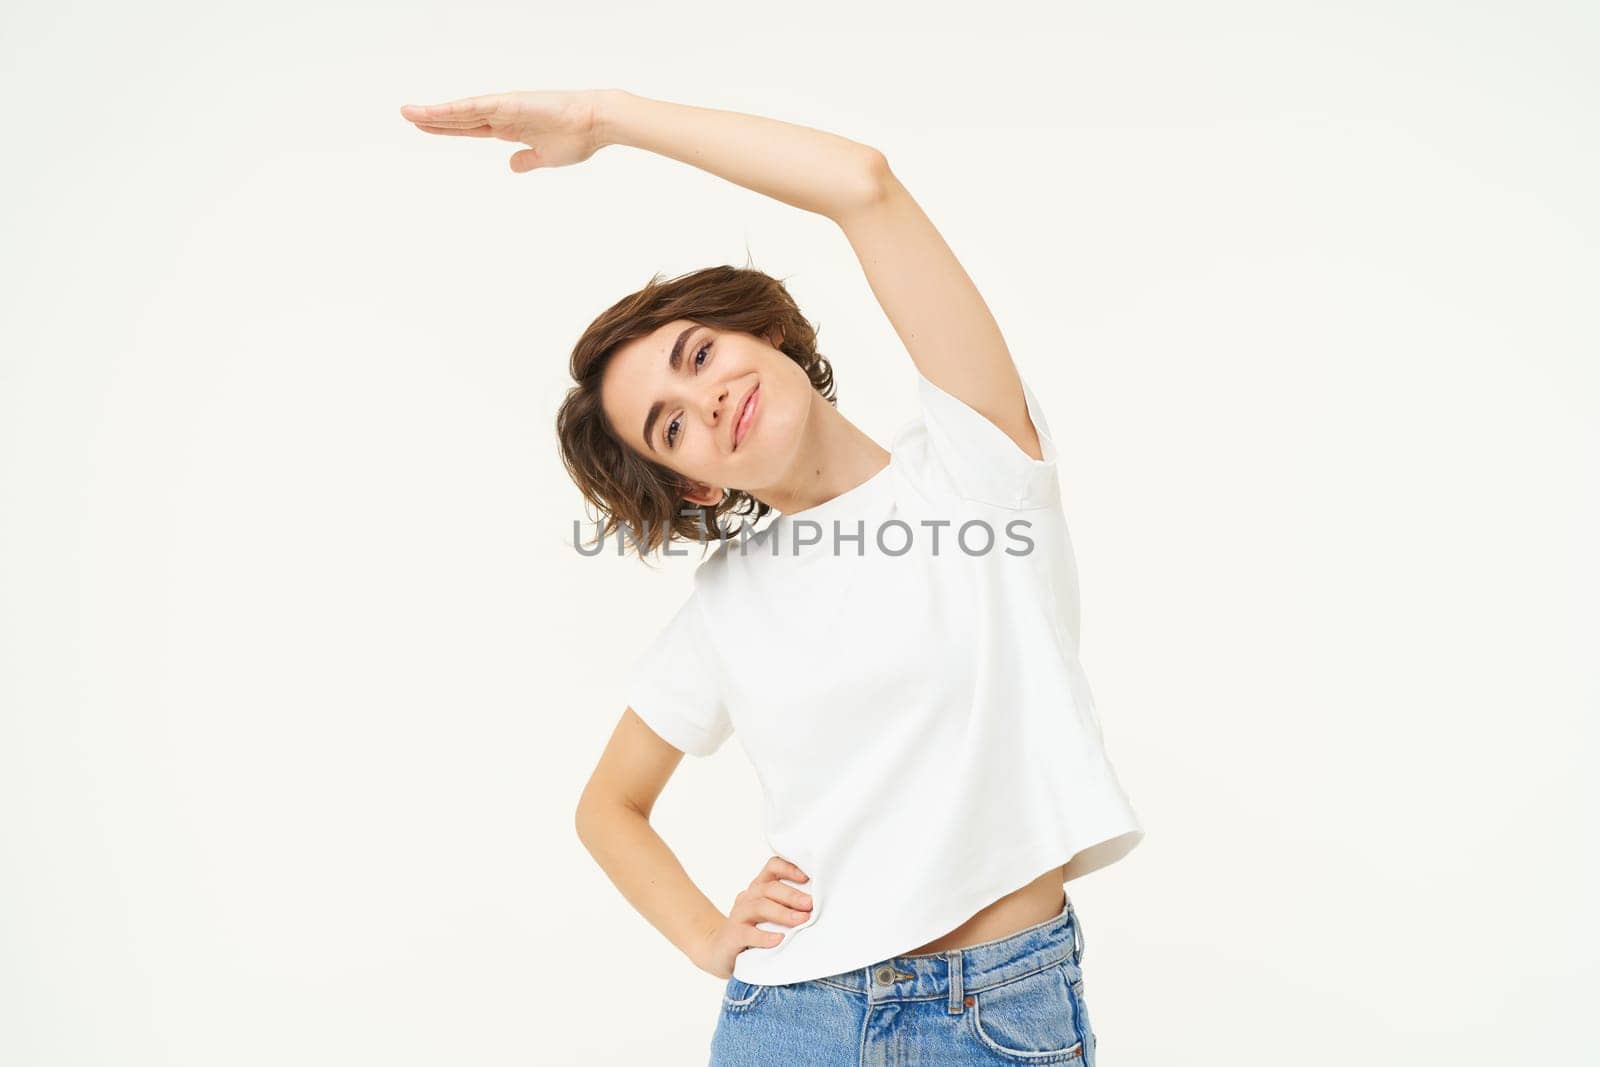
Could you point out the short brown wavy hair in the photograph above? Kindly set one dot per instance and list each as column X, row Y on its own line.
column 625, row 486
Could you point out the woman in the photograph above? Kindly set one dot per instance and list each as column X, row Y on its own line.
column 897, row 649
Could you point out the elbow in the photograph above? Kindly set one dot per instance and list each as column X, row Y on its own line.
column 580, row 823
column 876, row 166
column 584, row 819
column 594, row 813
column 871, row 184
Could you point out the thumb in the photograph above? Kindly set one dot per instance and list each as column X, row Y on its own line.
column 525, row 160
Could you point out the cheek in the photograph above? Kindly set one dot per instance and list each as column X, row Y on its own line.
column 780, row 423
column 703, row 462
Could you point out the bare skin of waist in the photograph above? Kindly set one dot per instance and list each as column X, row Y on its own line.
column 1039, row 900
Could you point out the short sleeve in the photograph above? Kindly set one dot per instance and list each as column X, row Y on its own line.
column 675, row 685
column 981, row 460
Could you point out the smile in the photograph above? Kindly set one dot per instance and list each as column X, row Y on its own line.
column 747, row 414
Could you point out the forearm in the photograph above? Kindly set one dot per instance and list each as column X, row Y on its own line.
column 803, row 167
column 648, row 875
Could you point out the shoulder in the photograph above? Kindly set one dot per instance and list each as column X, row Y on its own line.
column 952, row 449
column 714, row 573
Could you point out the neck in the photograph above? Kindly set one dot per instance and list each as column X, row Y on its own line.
column 836, row 457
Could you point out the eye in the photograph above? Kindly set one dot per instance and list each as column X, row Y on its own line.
column 698, row 363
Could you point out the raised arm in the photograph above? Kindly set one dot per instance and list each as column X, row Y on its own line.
column 941, row 318
column 805, row 168
column 933, row 305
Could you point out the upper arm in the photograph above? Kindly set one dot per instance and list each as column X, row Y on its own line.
column 936, row 309
column 675, row 685
column 633, row 769
column 675, row 706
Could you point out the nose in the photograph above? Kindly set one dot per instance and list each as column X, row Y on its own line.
column 713, row 399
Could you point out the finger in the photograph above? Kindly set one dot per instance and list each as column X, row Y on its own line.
column 764, row 909
column 756, row 938
column 779, row 891
column 525, row 160
column 770, row 871
column 788, row 894
column 773, row 911
column 778, row 867
column 766, row 880
column 452, row 131
column 471, row 110
column 454, row 124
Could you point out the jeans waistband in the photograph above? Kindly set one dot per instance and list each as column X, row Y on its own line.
column 972, row 969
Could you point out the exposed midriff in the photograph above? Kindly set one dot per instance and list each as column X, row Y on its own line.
column 1039, row 900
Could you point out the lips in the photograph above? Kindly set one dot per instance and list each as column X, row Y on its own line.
column 741, row 424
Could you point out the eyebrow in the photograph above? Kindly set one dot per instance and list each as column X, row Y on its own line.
column 674, row 361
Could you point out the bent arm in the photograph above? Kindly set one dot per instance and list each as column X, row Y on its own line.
column 613, row 822
column 805, row 168
column 648, row 874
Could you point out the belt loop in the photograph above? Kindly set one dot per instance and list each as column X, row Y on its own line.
column 1077, row 938
column 953, row 958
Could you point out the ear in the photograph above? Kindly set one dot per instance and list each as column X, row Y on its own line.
column 775, row 336
column 704, row 495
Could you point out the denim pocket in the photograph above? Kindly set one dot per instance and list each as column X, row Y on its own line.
column 1033, row 1019
column 742, row 996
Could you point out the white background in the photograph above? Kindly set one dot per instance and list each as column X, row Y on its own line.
column 301, row 675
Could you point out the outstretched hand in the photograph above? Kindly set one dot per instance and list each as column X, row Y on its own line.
column 559, row 127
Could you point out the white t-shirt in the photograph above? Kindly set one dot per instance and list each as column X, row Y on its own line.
column 912, row 704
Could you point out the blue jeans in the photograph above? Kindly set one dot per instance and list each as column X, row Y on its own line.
column 1017, row 999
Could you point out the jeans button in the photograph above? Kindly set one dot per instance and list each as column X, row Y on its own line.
column 886, row 975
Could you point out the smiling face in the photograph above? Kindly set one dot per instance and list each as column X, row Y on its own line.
column 676, row 396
